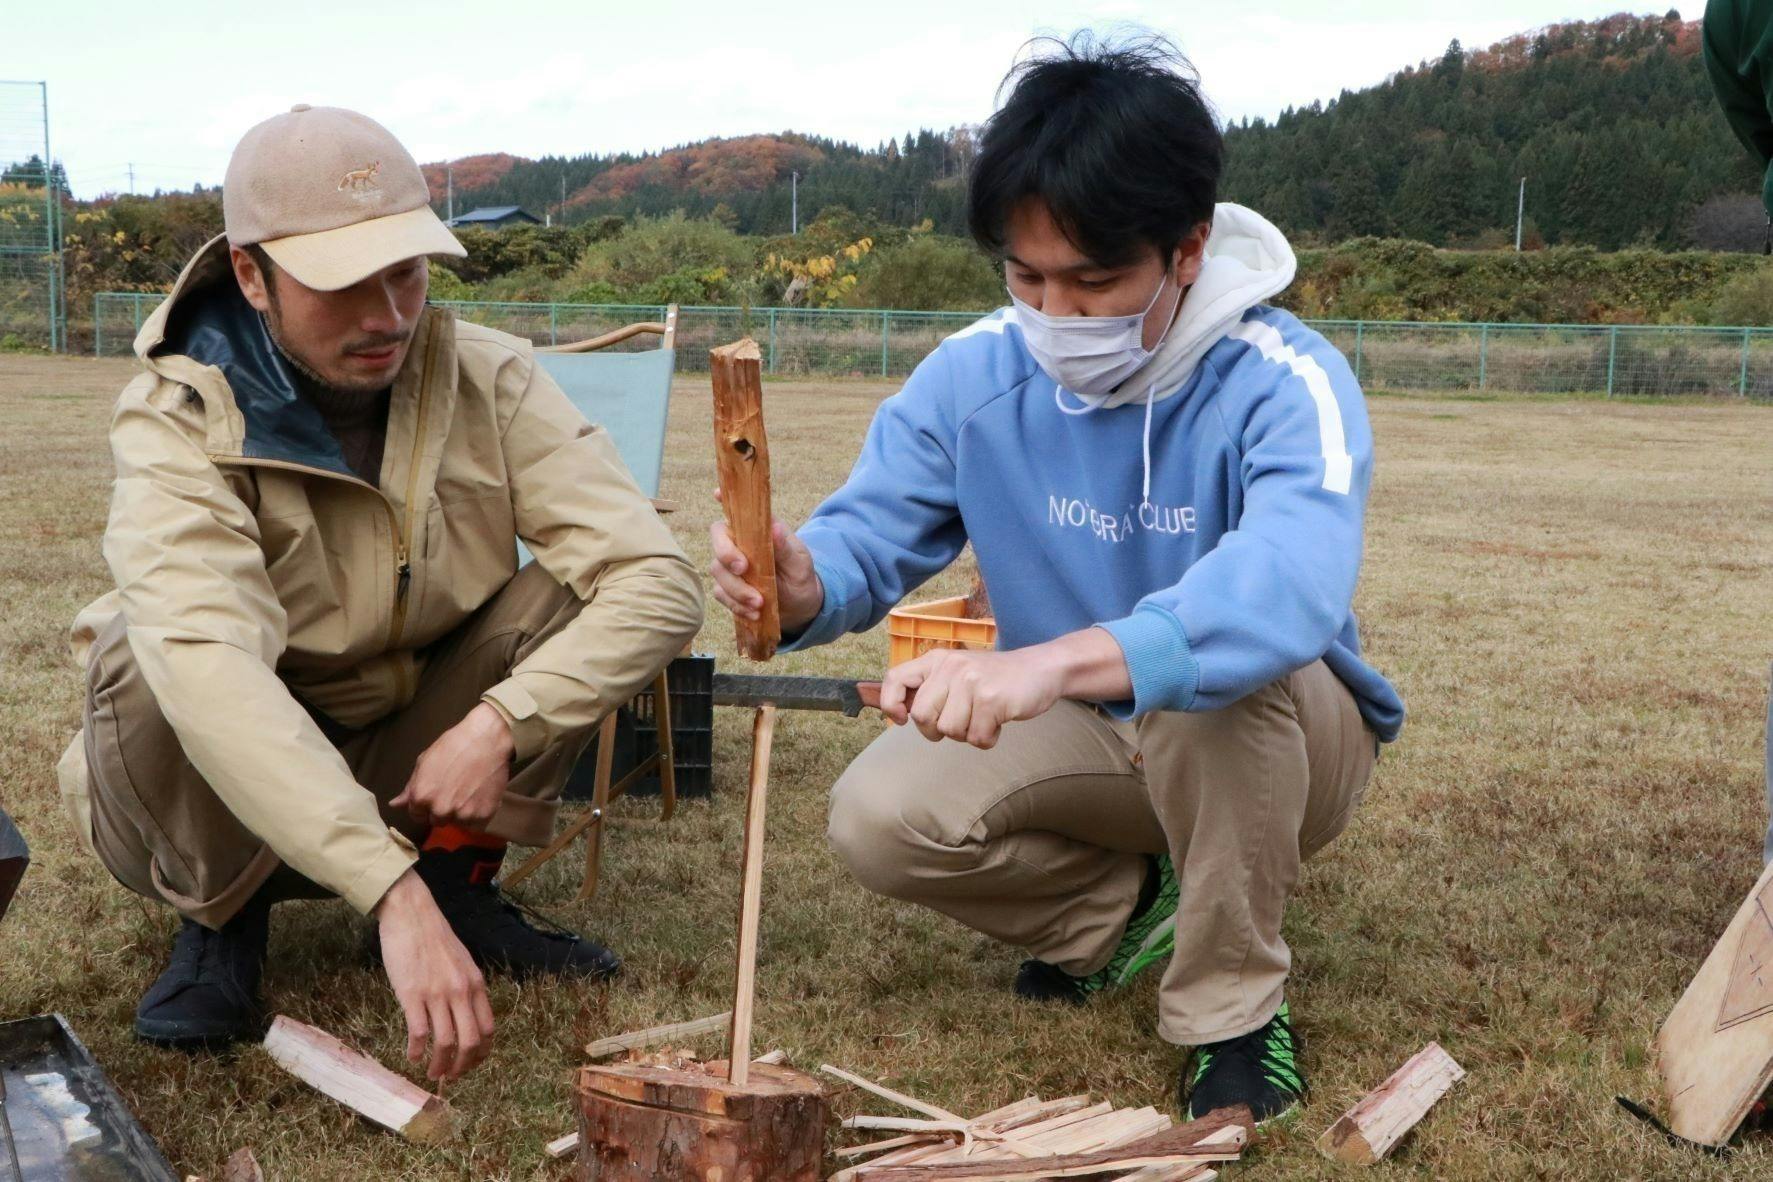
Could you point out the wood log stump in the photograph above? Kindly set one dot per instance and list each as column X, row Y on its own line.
column 639, row 1122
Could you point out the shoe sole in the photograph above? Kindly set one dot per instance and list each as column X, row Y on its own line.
column 187, row 1036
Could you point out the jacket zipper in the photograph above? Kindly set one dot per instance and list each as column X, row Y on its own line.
column 403, row 537
column 402, row 534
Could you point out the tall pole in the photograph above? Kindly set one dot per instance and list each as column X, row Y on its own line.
column 1520, row 216
column 563, row 195
column 794, row 203
column 449, row 173
column 132, row 179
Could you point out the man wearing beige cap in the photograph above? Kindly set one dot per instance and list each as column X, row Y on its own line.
column 321, row 670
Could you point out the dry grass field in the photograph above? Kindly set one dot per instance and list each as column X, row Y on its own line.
column 1576, row 599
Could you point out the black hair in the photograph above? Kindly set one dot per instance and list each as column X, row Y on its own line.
column 1113, row 136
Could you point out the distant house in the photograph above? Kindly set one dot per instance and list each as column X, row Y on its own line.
column 493, row 217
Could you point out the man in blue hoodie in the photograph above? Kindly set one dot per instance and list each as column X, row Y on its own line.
column 1164, row 481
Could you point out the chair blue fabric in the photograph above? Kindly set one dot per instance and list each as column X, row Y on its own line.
column 628, row 395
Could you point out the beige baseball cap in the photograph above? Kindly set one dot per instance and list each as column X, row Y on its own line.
column 331, row 196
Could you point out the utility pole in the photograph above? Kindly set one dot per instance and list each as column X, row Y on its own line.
column 449, row 172
column 794, row 203
column 563, row 196
column 131, row 178
column 1520, row 215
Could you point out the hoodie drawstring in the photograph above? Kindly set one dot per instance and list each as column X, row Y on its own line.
column 1087, row 407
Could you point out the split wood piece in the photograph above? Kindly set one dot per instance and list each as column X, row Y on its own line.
column 639, row 1122
column 772, row 1058
column 1039, row 1125
column 359, row 1083
column 1178, row 1146
column 742, row 454
column 563, row 1146
column 608, row 1048
column 242, row 1166
column 955, row 1123
column 763, row 730
column 1715, row 1050
column 1370, row 1130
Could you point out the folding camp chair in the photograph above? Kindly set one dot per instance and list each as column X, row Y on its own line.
column 629, row 395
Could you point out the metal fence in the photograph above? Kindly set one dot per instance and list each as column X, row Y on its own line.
column 1614, row 360
column 31, row 303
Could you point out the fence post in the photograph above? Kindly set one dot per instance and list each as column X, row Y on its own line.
column 885, row 319
column 553, row 324
column 98, row 327
column 1483, row 355
column 1742, row 379
column 1359, row 332
column 772, row 340
column 1612, row 356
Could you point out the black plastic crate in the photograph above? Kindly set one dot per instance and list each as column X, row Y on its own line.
column 690, row 681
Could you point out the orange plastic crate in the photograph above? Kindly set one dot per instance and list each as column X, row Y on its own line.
column 915, row 630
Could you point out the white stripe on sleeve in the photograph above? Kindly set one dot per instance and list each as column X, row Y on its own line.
column 1338, row 464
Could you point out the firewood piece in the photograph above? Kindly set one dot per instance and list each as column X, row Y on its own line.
column 771, row 1058
column 563, row 1146
column 883, row 1146
column 763, row 729
column 1178, row 1146
column 1715, row 1050
column 638, row 1123
column 242, row 1166
column 358, row 1082
column 652, row 1036
column 742, row 453
column 1367, row 1132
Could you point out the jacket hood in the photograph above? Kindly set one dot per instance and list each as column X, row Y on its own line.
column 1247, row 261
column 206, row 336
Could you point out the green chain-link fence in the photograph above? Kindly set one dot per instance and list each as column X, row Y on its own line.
column 31, row 307
column 1386, row 355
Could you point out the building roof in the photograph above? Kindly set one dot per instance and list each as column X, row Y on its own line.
column 491, row 213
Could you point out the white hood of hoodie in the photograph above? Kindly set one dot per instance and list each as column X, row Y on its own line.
column 1247, row 261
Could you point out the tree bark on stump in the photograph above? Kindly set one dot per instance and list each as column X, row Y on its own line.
column 639, row 1122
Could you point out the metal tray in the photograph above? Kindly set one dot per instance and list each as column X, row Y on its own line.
column 67, row 1123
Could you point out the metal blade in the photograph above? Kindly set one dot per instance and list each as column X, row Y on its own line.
column 836, row 694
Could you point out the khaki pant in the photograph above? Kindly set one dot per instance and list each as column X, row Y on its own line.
column 1041, row 841
column 163, row 832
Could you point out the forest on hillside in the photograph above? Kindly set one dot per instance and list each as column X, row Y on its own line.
column 1611, row 122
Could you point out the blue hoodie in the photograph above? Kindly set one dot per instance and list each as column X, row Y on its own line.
column 1240, row 566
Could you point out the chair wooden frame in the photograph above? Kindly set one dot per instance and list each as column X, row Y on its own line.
column 603, row 792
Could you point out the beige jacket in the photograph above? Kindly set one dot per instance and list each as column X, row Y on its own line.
column 250, row 562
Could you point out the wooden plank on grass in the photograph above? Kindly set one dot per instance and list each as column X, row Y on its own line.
column 1210, row 1139
column 1716, row 1048
column 1370, row 1130
column 653, row 1036
column 358, row 1082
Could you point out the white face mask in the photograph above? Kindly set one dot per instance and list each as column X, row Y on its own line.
column 1088, row 355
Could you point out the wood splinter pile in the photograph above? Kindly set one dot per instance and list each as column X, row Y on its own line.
column 1038, row 1139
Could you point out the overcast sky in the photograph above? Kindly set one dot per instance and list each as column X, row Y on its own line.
column 170, row 87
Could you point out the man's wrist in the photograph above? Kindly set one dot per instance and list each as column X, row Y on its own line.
column 489, row 720
column 1090, row 664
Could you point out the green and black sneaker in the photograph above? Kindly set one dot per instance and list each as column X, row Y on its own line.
column 1149, row 938
column 1260, row 1069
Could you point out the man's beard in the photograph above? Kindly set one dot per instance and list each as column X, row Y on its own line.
column 309, row 372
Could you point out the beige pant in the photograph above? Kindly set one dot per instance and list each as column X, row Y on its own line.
column 1041, row 841
column 163, row 832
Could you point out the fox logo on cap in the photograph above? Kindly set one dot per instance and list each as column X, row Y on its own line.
column 361, row 178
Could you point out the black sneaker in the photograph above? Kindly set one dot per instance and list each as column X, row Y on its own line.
column 1260, row 1069
column 1150, row 937
column 498, row 932
column 209, row 995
